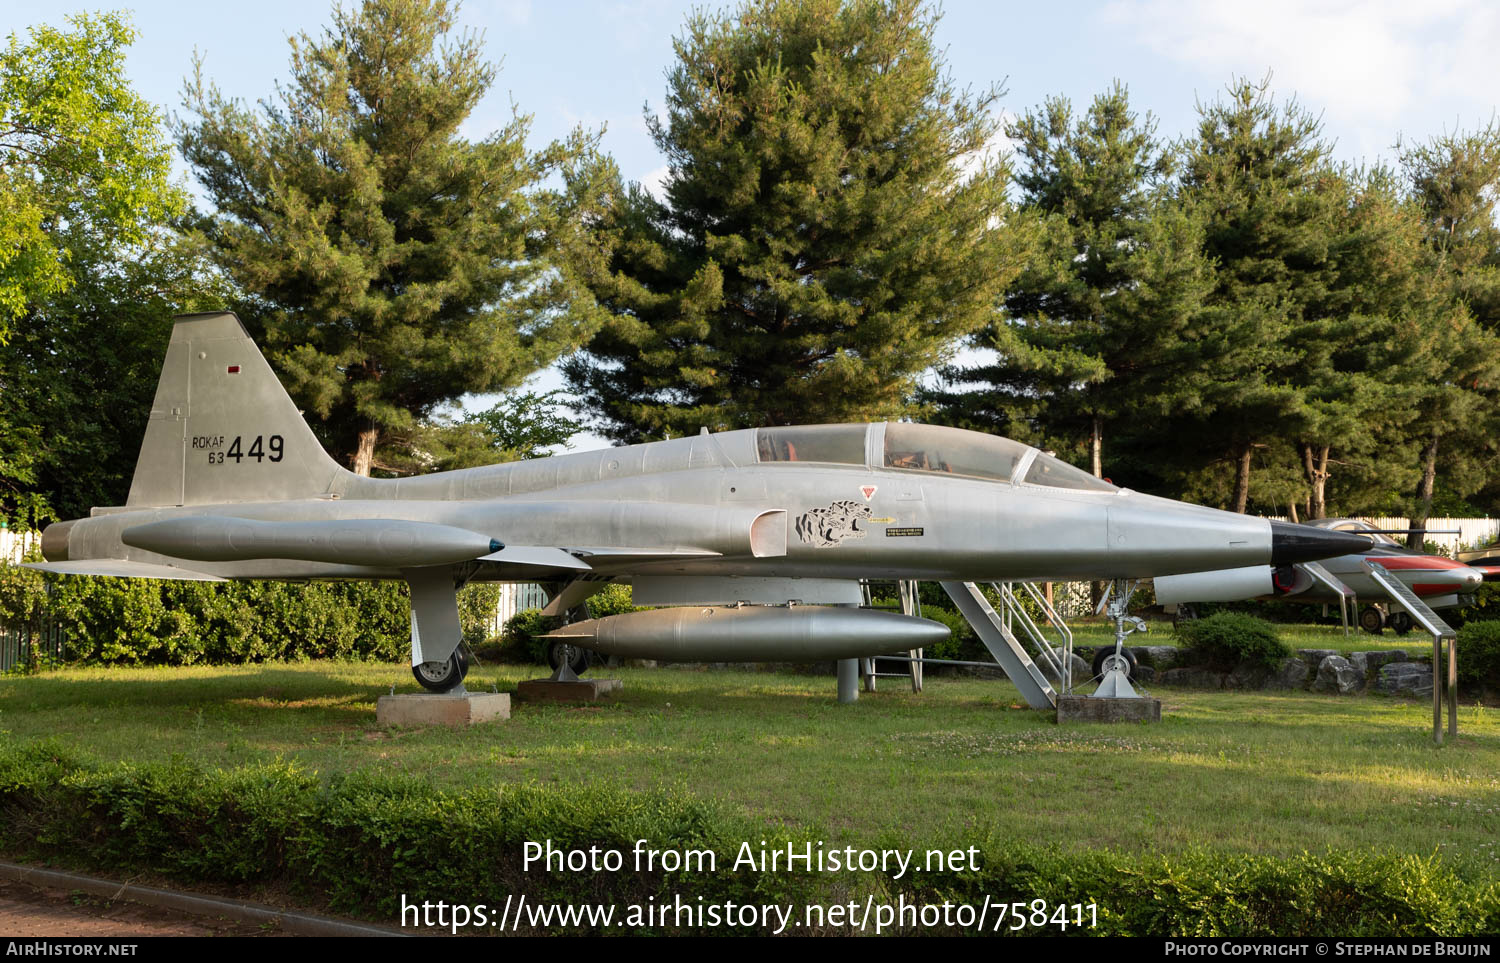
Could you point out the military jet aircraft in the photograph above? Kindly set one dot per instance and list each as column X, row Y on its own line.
column 1439, row 581
column 232, row 484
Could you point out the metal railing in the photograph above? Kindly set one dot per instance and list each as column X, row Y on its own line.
column 23, row 645
column 1060, row 662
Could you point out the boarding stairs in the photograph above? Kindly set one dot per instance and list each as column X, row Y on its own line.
column 1002, row 643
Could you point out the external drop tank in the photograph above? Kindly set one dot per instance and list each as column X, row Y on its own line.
column 752, row 633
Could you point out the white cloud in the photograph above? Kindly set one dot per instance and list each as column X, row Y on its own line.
column 1373, row 67
column 515, row 12
column 655, row 181
column 997, row 147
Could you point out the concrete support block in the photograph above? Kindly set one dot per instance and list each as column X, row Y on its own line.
column 1075, row 708
column 583, row 690
column 434, row 709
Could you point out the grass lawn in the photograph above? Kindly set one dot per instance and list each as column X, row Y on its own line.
column 1246, row 772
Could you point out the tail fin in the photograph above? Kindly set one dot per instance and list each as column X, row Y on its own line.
column 222, row 428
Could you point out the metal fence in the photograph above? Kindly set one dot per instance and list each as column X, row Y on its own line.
column 514, row 598
column 24, row 645
column 27, row 644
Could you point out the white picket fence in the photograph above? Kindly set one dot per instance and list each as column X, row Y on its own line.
column 15, row 544
column 1470, row 532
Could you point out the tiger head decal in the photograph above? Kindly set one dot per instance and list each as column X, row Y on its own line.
column 824, row 527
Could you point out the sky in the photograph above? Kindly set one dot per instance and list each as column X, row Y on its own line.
column 1374, row 71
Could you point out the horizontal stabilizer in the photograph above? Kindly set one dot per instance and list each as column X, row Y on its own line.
column 536, row 555
column 121, row 568
column 626, row 552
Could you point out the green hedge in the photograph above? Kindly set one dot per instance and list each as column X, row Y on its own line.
column 357, row 843
column 117, row 621
column 1229, row 638
column 521, row 636
column 1479, row 655
column 1215, row 894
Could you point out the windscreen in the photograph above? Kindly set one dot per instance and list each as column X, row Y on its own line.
column 1056, row 473
column 1365, row 528
column 839, row 444
column 934, row 448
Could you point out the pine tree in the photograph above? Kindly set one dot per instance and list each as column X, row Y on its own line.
column 1095, row 325
column 1257, row 177
column 1455, row 179
column 390, row 264
column 829, row 227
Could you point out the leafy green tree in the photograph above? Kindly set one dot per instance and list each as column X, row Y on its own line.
column 84, row 168
column 79, row 374
column 76, row 145
column 829, row 226
column 1358, row 338
column 392, row 265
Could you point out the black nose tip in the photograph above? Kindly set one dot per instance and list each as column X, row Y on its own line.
column 1304, row 543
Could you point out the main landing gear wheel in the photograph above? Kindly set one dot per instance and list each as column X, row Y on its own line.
column 443, row 676
column 577, row 659
column 1399, row 622
column 1371, row 619
column 1106, row 659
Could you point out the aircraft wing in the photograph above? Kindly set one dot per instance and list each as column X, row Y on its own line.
column 122, row 568
column 1491, row 573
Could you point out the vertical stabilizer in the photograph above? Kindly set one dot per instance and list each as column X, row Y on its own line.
column 222, row 427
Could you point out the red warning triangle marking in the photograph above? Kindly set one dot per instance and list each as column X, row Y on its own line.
column 868, row 491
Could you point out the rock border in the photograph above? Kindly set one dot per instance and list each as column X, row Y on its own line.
column 1385, row 671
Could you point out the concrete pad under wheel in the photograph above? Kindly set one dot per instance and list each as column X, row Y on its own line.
column 1076, row 708
column 550, row 690
column 441, row 709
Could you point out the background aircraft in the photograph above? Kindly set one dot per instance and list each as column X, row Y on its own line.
column 232, row 484
column 1439, row 581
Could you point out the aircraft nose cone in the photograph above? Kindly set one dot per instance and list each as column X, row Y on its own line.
column 1303, row 543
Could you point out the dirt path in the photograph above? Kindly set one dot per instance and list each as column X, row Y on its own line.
column 32, row 911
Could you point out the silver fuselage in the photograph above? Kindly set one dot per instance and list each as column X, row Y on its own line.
column 693, row 506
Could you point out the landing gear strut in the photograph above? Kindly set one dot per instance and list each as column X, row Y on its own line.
column 1118, row 663
column 577, row 660
column 439, row 661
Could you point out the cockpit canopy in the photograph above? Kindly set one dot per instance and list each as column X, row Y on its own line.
column 932, row 449
column 1360, row 527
